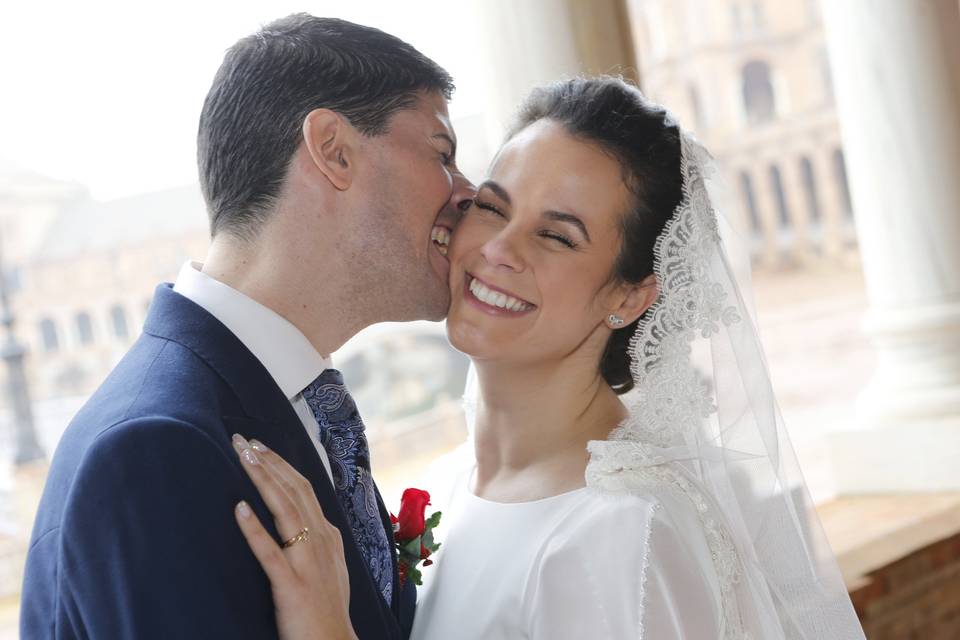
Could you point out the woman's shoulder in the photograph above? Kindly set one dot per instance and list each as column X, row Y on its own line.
column 621, row 547
column 597, row 519
column 638, row 545
column 625, row 522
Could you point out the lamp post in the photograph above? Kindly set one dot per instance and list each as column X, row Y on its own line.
column 27, row 448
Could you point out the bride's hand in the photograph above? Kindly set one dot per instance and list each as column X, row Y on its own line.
column 308, row 578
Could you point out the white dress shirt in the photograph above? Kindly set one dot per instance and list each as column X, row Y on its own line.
column 283, row 350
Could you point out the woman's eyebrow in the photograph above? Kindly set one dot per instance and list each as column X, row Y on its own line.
column 497, row 189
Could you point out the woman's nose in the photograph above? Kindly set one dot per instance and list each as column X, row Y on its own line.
column 502, row 250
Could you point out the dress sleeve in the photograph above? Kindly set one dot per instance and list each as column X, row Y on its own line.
column 625, row 567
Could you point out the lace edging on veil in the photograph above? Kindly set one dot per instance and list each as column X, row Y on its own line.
column 671, row 396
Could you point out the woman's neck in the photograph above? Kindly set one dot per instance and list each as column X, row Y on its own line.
column 533, row 425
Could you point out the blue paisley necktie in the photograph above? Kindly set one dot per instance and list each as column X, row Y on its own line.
column 342, row 435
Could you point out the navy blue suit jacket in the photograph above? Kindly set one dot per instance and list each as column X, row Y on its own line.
column 135, row 536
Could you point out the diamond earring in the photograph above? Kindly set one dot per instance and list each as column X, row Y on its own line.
column 615, row 320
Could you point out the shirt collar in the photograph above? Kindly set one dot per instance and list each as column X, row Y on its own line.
column 283, row 350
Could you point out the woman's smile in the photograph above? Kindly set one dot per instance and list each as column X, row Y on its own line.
column 494, row 300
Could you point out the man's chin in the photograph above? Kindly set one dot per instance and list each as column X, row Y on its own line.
column 436, row 308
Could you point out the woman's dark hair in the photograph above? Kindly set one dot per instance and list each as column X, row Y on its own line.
column 616, row 117
column 251, row 121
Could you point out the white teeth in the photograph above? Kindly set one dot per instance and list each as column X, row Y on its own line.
column 495, row 298
column 440, row 235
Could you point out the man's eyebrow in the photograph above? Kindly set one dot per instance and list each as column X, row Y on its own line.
column 446, row 136
column 497, row 189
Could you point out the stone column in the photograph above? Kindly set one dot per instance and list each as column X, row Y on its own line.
column 832, row 202
column 797, row 207
column 897, row 71
column 769, row 213
column 534, row 42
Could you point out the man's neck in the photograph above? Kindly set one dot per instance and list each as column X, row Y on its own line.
column 319, row 302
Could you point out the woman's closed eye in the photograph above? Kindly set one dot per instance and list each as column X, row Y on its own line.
column 559, row 237
column 486, row 206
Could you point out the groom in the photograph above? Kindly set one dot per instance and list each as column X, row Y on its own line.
column 326, row 159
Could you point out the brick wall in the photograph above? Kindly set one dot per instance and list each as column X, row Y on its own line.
column 914, row 598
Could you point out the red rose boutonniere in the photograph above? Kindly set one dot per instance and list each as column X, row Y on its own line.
column 413, row 534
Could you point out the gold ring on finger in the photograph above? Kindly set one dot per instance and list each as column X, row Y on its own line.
column 302, row 536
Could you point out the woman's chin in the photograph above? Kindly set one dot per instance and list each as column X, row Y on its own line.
column 456, row 337
column 469, row 339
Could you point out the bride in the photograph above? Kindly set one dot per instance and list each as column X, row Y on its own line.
column 612, row 488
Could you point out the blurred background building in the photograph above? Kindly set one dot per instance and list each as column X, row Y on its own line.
column 786, row 97
column 752, row 79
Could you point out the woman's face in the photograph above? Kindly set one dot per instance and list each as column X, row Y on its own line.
column 531, row 262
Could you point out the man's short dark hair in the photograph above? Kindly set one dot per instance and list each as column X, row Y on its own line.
column 252, row 117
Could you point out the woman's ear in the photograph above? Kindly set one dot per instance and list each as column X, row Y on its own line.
column 331, row 144
column 634, row 300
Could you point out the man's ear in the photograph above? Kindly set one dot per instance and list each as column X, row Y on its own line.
column 635, row 299
column 331, row 144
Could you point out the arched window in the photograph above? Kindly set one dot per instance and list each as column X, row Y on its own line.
column 118, row 318
column 84, row 328
column 776, row 183
column 48, row 335
column 746, row 190
column 810, row 188
column 840, row 176
column 759, row 102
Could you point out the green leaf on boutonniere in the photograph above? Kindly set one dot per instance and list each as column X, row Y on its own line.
column 433, row 521
column 412, row 548
column 414, row 575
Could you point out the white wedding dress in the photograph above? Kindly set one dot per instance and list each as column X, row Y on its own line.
column 695, row 522
column 569, row 566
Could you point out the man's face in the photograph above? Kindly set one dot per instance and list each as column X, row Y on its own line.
column 416, row 195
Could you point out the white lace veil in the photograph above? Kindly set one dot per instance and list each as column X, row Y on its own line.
column 704, row 421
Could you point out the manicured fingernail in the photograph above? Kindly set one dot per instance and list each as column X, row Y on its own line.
column 240, row 441
column 243, row 509
column 250, row 456
column 259, row 446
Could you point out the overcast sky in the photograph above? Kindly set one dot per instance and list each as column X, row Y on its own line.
column 107, row 93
